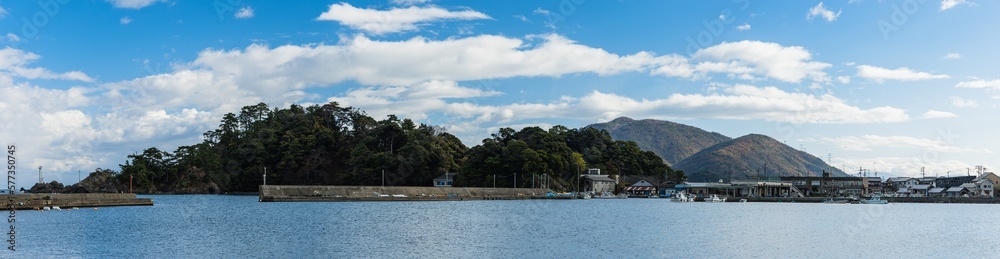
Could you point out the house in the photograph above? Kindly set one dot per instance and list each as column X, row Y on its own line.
column 445, row 180
column 667, row 190
column 957, row 191
column 595, row 182
column 952, row 181
column 927, row 180
column 897, row 183
column 874, row 185
column 993, row 181
column 919, row 190
column 984, row 188
column 936, row 192
column 972, row 187
column 641, row 189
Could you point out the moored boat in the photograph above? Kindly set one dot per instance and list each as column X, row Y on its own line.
column 875, row 199
column 715, row 198
column 682, row 197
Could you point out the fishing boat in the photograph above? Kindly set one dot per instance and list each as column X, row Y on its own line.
column 609, row 195
column 682, row 197
column 715, row 198
column 875, row 199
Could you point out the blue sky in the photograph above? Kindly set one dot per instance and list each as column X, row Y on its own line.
column 891, row 86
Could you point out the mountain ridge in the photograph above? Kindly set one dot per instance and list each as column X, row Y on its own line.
column 752, row 156
column 670, row 140
column 709, row 156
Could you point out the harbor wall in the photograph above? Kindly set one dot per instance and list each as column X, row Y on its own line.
column 69, row 200
column 943, row 200
column 279, row 193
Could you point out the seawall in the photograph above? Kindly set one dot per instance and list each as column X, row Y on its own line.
column 943, row 200
column 69, row 200
column 280, row 193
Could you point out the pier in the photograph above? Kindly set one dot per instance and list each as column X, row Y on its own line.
column 282, row 193
column 69, row 200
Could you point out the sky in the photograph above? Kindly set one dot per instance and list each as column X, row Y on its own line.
column 892, row 87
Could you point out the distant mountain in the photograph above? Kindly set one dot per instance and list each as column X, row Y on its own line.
column 671, row 141
column 747, row 157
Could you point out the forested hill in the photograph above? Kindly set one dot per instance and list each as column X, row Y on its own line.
column 671, row 141
column 328, row 145
column 333, row 145
column 752, row 156
column 561, row 154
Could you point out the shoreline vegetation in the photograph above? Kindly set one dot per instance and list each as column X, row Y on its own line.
column 333, row 145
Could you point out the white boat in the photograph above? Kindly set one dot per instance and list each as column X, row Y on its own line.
column 46, row 208
column 875, row 199
column 56, row 208
column 609, row 195
column 743, row 200
column 715, row 198
column 682, row 197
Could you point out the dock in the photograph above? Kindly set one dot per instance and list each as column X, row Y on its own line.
column 69, row 200
column 290, row 193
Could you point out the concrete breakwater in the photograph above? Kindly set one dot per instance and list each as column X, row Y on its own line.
column 279, row 193
column 69, row 200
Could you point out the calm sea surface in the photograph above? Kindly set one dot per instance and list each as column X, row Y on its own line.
column 213, row 226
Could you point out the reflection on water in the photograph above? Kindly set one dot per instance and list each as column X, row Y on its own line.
column 211, row 226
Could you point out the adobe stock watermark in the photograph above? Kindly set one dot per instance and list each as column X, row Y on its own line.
column 565, row 9
column 899, row 16
column 714, row 28
column 33, row 24
column 871, row 216
column 224, row 8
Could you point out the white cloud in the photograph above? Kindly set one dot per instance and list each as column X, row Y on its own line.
column 933, row 114
column 409, row 2
column 948, row 4
column 844, row 79
column 3, row 12
column 901, row 74
column 991, row 84
column 903, row 166
column 393, row 20
column 245, row 12
column 875, row 142
column 541, row 11
column 744, row 27
column 952, row 56
column 747, row 58
column 400, row 63
column 521, row 17
column 962, row 103
column 740, row 102
column 132, row 4
column 14, row 61
column 125, row 20
column 12, row 37
column 821, row 11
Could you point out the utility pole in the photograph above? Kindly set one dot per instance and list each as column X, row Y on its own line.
column 383, row 177
column 494, row 180
column 79, row 178
column 40, row 175
column 515, row 180
column 265, row 176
